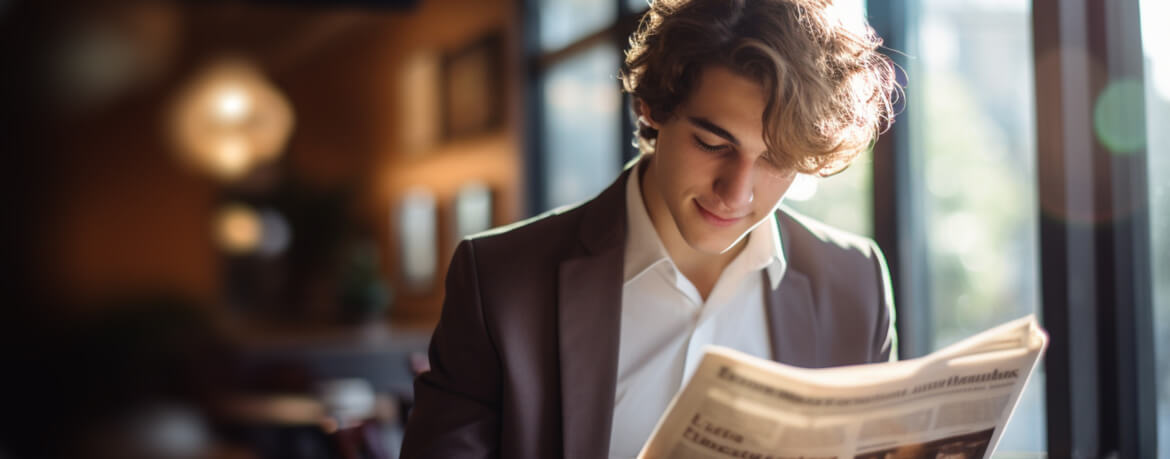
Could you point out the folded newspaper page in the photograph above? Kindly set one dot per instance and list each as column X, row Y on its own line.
column 953, row 403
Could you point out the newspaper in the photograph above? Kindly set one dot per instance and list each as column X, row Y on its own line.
column 953, row 403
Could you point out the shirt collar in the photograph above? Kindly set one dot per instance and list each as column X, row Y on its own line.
column 644, row 248
column 765, row 251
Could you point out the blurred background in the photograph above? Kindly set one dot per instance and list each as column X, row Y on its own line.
column 228, row 221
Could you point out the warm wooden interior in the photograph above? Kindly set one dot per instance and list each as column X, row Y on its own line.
column 119, row 215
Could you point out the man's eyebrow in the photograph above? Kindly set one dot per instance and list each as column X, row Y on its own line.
column 713, row 128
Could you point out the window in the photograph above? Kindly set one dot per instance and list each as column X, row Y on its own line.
column 582, row 126
column 638, row 5
column 971, row 86
column 1156, row 47
column 583, row 132
column 563, row 22
column 843, row 201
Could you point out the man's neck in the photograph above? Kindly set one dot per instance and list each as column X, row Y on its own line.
column 702, row 269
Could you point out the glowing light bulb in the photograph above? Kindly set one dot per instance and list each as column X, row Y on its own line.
column 213, row 121
column 232, row 158
column 233, row 105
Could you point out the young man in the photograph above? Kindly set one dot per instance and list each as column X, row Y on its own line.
column 568, row 334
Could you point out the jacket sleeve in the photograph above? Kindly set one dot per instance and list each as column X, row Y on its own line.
column 885, row 344
column 457, row 402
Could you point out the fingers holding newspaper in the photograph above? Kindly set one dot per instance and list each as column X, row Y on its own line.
column 953, row 403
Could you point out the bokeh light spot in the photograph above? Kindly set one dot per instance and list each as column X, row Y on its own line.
column 277, row 234
column 230, row 118
column 238, row 229
column 1118, row 117
column 233, row 105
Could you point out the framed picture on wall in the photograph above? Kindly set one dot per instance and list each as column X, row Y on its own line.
column 472, row 87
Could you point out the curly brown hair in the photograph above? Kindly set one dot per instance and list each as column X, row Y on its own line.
column 832, row 92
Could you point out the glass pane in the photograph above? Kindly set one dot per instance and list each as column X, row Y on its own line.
column 582, row 126
column 1156, row 45
column 844, row 200
column 638, row 6
column 973, row 109
column 565, row 21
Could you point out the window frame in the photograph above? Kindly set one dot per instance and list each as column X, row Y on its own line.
column 1100, row 368
column 537, row 64
column 1105, row 404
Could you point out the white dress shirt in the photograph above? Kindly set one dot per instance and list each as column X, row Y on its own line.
column 665, row 323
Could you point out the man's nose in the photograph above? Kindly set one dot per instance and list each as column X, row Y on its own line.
column 734, row 183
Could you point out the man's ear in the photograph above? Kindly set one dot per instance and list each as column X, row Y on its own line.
column 642, row 109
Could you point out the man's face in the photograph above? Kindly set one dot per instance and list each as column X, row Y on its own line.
column 708, row 171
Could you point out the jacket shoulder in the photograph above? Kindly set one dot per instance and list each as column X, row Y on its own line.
column 556, row 228
column 849, row 280
column 845, row 268
column 805, row 237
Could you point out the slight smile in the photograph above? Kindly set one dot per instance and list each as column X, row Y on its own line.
column 715, row 219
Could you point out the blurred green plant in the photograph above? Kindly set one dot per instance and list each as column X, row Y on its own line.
column 980, row 211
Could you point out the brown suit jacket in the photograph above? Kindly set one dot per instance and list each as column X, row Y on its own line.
column 524, row 358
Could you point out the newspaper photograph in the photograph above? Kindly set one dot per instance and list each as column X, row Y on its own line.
column 953, row 403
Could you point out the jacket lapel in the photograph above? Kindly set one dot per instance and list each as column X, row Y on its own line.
column 589, row 307
column 589, row 323
column 792, row 321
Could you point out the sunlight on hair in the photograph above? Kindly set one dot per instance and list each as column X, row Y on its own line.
column 850, row 12
column 847, row 85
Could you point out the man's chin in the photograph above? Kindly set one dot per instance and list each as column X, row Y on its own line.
column 711, row 244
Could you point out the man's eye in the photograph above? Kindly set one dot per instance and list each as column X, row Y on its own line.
column 708, row 147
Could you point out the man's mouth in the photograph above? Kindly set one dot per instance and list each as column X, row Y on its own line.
column 716, row 219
